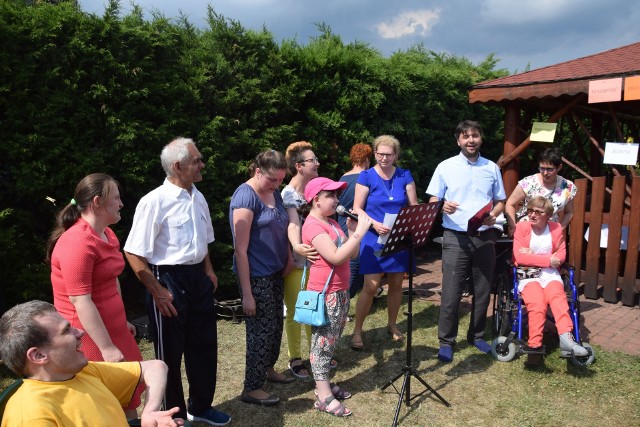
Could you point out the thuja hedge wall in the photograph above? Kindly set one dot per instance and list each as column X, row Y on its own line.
column 81, row 93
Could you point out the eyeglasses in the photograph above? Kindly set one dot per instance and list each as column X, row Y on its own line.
column 548, row 170
column 536, row 211
column 313, row 160
column 385, row 155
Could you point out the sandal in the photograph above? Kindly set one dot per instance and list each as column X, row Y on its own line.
column 338, row 411
column 337, row 391
column 300, row 370
column 356, row 341
column 395, row 333
column 333, row 363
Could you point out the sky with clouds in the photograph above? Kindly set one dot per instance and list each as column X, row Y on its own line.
column 520, row 33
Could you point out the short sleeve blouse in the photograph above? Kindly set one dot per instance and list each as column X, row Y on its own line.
column 268, row 243
column 562, row 193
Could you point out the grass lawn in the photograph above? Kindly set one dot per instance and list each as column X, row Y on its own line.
column 482, row 391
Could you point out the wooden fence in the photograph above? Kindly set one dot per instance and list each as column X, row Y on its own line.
column 610, row 273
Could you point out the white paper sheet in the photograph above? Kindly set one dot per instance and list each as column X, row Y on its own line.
column 388, row 221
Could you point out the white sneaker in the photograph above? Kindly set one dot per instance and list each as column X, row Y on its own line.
column 569, row 345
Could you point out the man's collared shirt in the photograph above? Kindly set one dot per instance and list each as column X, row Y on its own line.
column 171, row 226
column 471, row 185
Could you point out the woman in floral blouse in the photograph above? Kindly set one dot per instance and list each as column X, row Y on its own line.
column 546, row 183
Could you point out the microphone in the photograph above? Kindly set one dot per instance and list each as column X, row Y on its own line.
column 340, row 210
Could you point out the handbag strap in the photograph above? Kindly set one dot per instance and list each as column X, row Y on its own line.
column 306, row 263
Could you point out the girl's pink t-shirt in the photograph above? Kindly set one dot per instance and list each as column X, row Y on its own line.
column 320, row 270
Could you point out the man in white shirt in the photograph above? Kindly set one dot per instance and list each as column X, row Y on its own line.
column 466, row 183
column 168, row 251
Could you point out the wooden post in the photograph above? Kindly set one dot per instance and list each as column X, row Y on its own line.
column 595, row 156
column 576, row 228
column 593, row 245
column 511, row 141
column 612, row 258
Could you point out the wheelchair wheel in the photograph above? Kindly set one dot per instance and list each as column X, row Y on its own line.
column 584, row 360
column 502, row 306
column 502, row 352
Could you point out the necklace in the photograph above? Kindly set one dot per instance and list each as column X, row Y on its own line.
column 555, row 185
column 384, row 186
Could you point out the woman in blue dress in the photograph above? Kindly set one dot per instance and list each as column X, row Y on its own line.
column 381, row 191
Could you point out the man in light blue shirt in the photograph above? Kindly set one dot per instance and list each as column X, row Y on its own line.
column 467, row 183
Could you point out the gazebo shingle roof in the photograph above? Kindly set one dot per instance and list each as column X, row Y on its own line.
column 616, row 62
column 562, row 81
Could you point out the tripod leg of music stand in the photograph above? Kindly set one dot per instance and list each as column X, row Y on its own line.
column 407, row 394
column 407, row 378
column 431, row 389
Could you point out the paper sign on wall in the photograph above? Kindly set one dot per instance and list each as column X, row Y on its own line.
column 543, row 132
column 620, row 153
column 607, row 90
column 631, row 88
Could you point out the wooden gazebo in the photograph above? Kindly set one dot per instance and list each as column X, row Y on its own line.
column 560, row 94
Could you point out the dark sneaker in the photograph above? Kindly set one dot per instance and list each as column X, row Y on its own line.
column 211, row 416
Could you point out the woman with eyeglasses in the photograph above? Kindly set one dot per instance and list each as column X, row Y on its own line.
column 303, row 165
column 382, row 191
column 547, row 183
column 538, row 252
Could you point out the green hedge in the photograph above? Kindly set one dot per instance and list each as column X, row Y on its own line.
column 81, row 93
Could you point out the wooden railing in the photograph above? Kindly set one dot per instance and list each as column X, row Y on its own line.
column 610, row 273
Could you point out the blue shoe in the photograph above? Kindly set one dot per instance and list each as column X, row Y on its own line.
column 482, row 345
column 211, row 416
column 445, row 354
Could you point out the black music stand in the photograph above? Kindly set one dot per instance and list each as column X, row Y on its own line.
column 410, row 230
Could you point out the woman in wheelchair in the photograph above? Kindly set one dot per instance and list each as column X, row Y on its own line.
column 538, row 252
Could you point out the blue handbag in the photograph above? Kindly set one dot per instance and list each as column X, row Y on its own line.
column 310, row 305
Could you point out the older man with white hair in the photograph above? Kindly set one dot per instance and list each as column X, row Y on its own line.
column 167, row 249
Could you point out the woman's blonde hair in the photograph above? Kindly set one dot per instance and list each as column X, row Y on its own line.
column 541, row 202
column 389, row 141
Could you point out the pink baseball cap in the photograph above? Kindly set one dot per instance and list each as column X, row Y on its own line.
column 319, row 184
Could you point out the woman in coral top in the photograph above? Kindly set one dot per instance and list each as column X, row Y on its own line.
column 85, row 262
column 539, row 250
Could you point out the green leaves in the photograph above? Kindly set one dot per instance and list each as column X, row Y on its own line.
column 82, row 93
